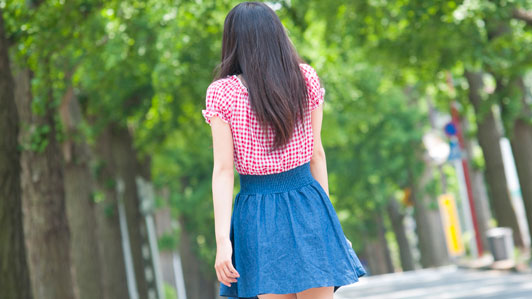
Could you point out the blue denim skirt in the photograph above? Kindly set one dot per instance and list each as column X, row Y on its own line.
column 286, row 237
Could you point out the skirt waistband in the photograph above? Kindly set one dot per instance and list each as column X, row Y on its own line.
column 294, row 178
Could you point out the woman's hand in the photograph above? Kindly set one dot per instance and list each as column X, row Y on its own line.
column 224, row 267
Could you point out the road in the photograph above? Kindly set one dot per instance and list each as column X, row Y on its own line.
column 444, row 282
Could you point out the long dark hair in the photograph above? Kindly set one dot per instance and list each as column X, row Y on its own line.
column 255, row 44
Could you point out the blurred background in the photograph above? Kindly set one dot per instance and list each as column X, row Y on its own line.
column 106, row 161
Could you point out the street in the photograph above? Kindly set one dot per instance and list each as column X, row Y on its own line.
column 444, row 282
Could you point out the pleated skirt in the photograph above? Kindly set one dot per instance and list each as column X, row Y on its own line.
column 287, row 238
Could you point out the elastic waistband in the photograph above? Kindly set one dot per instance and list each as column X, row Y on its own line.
column 276, row 182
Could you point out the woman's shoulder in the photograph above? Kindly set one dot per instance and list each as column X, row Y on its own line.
column 222, row 85
column 311, row 77
column 223, row 90
column 316, row 90
column 310, row 74
column 307, row 69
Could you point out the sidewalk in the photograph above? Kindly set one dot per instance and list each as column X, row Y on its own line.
column 442, row 282
column 522, row 263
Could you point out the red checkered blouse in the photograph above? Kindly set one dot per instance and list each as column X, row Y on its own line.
column 227, row 98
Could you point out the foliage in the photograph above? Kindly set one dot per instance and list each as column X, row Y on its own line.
column 146, row 65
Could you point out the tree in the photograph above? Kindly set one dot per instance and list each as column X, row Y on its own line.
column 447, row 36
column 46, row 228
column 14, row 276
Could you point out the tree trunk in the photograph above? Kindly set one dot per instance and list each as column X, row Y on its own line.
column 128, row 168
column 396, row 218
column 478, row 186
column 378, row 253
column 45, row 222
column 163, row 224
column 197, row 284
column 381, row 229
column 489, row 138
column 14, row 276
column 429, row 227
column 521, row 143
column 110, row 239
column 79, row 202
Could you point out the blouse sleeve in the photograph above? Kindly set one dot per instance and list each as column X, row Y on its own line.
column 315, row 90
column 216, row 103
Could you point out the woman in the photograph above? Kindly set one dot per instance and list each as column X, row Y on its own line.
column 283, row 238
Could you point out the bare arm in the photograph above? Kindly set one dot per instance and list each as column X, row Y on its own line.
column 216, row 113
column 222, row 196
column 318, row 162
column 222, row 178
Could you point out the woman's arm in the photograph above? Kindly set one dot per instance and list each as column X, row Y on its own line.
column 222, row 195
column 222, row 177
column 318, row 162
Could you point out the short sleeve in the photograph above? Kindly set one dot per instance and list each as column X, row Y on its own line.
column 315, row 89
column 216, row 103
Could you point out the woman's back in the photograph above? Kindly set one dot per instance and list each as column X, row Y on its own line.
column 228, row 98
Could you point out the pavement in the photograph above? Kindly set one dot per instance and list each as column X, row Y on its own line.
column 444, row 282
column 521, row 264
